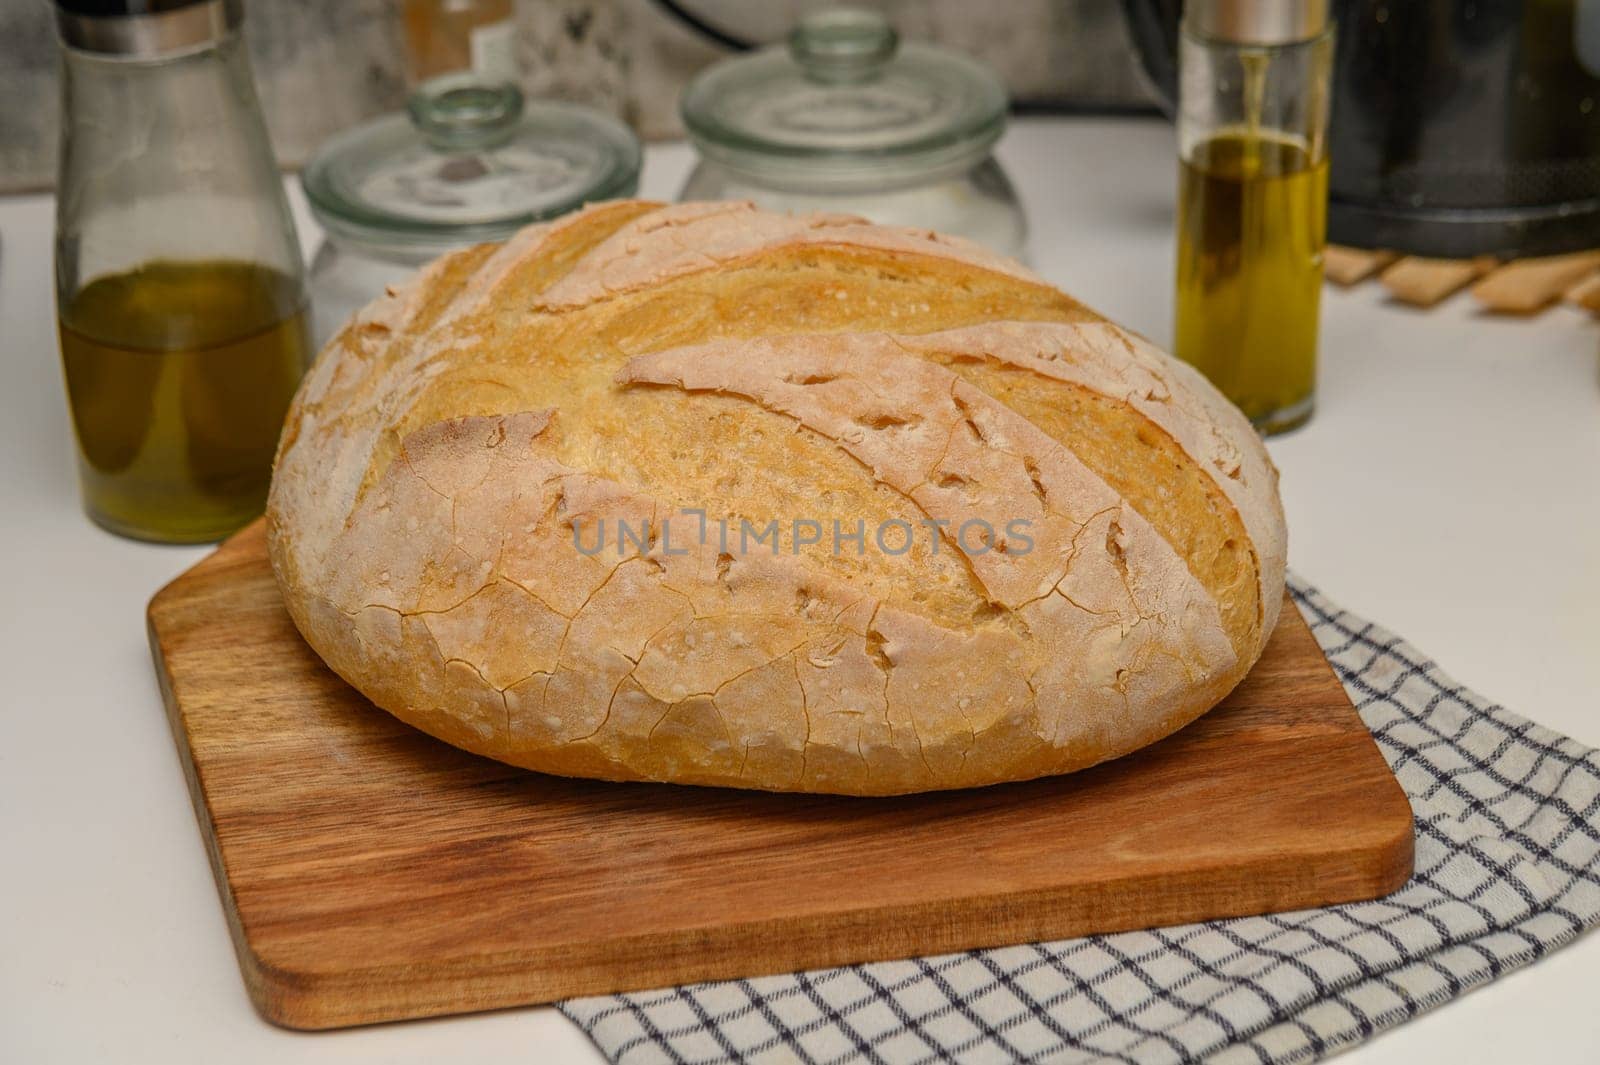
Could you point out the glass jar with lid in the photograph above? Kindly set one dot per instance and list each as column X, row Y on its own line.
column 470, row 162
column 846, row 117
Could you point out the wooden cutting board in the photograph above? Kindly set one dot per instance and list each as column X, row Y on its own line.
column 371, row 873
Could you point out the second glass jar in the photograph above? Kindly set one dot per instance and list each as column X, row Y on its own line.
column 845, row 118
column 471, row 161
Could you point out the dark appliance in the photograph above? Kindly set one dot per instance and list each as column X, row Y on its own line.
column 1459, row 127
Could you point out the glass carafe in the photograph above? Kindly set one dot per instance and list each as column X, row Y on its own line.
column 180, row 290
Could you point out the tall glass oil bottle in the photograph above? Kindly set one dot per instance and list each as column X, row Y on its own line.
column 1252, row 200
column 179, row 287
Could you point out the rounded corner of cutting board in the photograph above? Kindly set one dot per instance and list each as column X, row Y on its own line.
column 242, row 546
column 1396, row 851
column 289, row 999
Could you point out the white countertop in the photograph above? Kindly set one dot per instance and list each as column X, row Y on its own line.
column 1448, row 488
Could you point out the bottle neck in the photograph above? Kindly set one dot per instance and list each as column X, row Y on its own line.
column 1276, row 92
column 123, row 101
column 156, row 35
column 166, row 158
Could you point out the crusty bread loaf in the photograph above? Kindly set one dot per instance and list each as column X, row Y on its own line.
column 1084, row 547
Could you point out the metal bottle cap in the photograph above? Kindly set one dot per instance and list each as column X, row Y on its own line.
column 1256, row 22
column 145, row 29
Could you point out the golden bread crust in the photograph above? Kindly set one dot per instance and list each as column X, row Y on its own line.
column 699, row 368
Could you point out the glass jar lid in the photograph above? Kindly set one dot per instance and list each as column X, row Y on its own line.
column 845, row 103
column 470, row 162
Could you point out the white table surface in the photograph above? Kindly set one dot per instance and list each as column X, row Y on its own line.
column 1448, row 487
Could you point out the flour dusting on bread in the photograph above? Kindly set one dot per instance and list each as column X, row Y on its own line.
column 702, row 494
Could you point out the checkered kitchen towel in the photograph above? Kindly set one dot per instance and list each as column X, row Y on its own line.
column 1507, row 870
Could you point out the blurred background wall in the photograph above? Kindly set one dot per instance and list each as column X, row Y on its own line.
column 323, row 65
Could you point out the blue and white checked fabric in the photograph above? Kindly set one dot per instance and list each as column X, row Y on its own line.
column 1507, row 870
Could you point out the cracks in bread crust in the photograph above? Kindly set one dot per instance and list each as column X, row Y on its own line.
column 446, row 445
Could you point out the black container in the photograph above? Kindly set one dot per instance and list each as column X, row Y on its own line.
column 1459, row 127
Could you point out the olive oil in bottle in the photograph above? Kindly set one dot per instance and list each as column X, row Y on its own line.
column 179, row 375
column 1253, row 200
column 180, row 289
column 1251, row 218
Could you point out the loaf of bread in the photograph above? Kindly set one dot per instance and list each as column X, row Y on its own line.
column 703, row 494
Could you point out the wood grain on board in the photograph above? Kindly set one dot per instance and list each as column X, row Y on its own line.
column 371, row 873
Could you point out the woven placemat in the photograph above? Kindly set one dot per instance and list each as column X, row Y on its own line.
column 1507, row 869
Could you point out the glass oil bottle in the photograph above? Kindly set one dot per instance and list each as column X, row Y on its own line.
column 180, row 293
column 1252, row 200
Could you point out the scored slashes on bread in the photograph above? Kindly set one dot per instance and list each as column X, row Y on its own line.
column 1070, row 544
